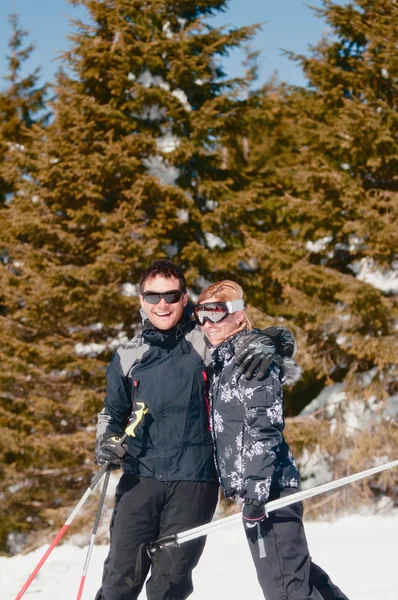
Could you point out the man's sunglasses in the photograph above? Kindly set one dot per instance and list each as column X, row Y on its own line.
column 215, row 312
column 171, row 297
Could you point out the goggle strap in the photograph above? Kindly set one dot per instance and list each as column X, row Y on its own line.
column 235, row 305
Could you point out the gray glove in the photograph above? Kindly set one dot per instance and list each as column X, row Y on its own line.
column 255, row 352
column 285, row 344
column 108, row 449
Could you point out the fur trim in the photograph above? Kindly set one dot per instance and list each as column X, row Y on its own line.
column 291, row 370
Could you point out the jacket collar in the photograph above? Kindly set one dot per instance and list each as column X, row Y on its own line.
column 168, row 338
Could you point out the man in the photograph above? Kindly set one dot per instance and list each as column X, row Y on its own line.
column 169, row 484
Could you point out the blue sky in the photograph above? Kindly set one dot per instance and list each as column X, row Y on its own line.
column 289, row 24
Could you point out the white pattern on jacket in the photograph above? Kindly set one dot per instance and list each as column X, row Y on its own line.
column 252, row 456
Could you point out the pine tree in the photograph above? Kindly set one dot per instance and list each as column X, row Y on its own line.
column 117, row 179
column 346, row 172
column 22, row 103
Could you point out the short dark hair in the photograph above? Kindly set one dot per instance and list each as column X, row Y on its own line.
column 166, row 269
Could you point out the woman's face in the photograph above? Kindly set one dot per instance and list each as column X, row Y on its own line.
column 217, row 332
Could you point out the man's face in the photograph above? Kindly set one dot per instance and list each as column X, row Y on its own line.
column 163, row 315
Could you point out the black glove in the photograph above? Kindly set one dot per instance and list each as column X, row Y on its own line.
column 253, row 512
column 254, row 354
column 108, row 448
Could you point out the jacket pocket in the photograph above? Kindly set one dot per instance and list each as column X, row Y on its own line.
column 262, row 394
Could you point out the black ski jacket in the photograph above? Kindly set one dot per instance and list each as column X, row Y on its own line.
column 166, row 371
column 247, row 416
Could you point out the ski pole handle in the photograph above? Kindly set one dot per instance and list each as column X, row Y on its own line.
column 136, row 417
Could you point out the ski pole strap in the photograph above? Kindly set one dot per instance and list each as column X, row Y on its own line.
column 153, row 550
column 99, row 474
column 191, row 534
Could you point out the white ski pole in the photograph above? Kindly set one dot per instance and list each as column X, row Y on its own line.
column 180, row 538
column 93, row 534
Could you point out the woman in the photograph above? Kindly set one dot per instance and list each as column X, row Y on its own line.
column 253, row 460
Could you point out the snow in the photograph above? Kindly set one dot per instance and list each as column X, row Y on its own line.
column 319, row 245
column 329, row 396
column 170, row 249
column 151, row 113
column 358, row 414
column 130, row 289
column 160, row 168
column 166, row 30
column 17, row 147
column 384, row 280
column 250, row 265
column 167, row 142
column 202, row 282
column 366, row 269
column 182, row 215
column 92, row 349
column 119, row 340
column 358, row 411
column 210, row 204
column 96, row 326
column 314, row 468
column 148, row 80
column 358, row 552
column 214, row 241
column 182, row 97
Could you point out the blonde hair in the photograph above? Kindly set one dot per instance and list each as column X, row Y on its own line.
column 225, row 291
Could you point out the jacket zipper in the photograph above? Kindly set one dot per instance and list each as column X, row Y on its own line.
column 207, row 400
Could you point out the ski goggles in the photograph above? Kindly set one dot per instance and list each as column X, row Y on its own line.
column 171, row 297
column 215, row 312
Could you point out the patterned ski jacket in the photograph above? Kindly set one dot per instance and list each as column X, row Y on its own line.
column 252, row 457
column 167, row 372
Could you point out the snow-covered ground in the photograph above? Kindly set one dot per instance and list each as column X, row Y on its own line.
column 359, row 552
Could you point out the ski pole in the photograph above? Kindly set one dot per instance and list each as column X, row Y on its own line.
column 93, row 534
column 191, row 534
column 64, row 528
column 134, row 420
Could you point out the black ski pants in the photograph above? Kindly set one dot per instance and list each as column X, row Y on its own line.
column 280, row 553
column 145, row 510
